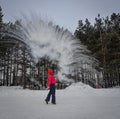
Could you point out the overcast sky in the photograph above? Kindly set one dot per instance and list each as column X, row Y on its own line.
column 65, row 13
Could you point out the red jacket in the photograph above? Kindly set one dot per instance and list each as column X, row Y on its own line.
column 51, row 78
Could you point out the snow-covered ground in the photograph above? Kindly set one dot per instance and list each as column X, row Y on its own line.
column 78, row 101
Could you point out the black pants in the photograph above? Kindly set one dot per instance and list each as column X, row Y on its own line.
column 51, row 93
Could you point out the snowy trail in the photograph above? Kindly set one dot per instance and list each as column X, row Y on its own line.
column 76, row 102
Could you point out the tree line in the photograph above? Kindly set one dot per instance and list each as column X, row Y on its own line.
column 103, row 40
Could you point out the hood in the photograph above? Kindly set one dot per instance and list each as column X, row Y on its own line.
column 50, row 72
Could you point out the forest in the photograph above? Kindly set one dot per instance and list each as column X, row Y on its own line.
column 102, row 38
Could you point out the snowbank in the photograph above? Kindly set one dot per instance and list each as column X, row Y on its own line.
column 79, row 86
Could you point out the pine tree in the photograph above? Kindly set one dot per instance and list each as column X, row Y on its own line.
column 103, row 39
column 1, row 17
column 1, row 21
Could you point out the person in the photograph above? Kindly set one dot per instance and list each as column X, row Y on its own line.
column 51, row 84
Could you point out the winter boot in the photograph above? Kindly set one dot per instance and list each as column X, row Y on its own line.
column 46, row 101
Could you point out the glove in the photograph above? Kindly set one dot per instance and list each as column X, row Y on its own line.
column 47, row 88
